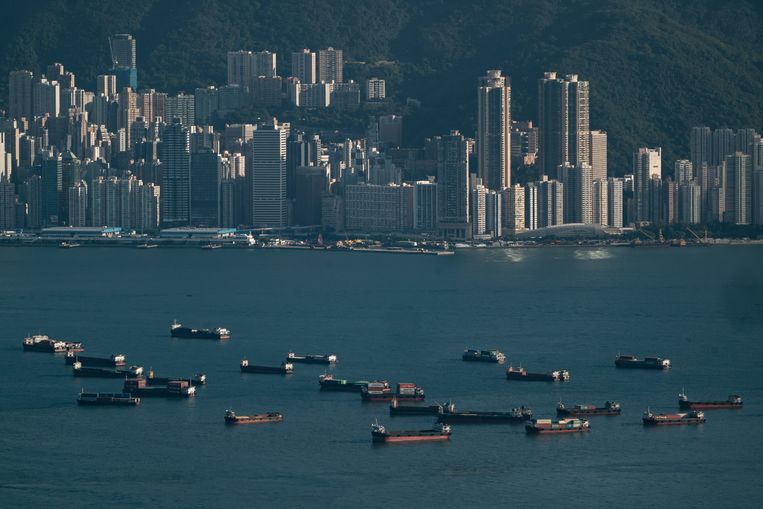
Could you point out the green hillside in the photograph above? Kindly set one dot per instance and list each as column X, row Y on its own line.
column 656, row 67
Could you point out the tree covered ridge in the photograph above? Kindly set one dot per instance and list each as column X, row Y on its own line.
column 656, row 67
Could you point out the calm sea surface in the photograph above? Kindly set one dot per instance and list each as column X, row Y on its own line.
column 403, row 318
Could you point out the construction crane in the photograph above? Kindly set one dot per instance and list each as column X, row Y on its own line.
column 699, row 239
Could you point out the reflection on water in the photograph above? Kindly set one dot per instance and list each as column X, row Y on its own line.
column 514, row 255
column 593, row 254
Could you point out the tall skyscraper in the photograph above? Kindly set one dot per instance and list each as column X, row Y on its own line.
column 700, row 146
column 106, row 84
column 514, row 208
column 303, row 66
column 563, row 114
column 647, row 163
column 123, row 60
column 550, row 203
column 70, row 177
column 494, row 130
column 52, row 188
column 330, row 65
column 206, row 169
column 531, row 206
column 77, row 200
column 176, row 175
column 684, row 171
column 7, row 205
column 20, row 95
column 181, row 106
column 578, row 193
column 738, row 188
column 599, row 198
column 452, row 162
column 46, row 97
column 689, row 196
column 598, row 146
column 615, row 202
column 267, row 173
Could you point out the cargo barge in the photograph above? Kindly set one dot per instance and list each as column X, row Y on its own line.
column 177, row 389
column 329, row 383
column 396, row 409
column 609, row 408
column 520, row 374
column 439, row 433
column 178, row 331
column 286, row 368
column 380, row 391
column 633, row 362
column 550, row 426
column 516, row 415
column 107, row 398
column 98, row 372
column 483, row 356
column 311, row 359
column 196, row 380
column 44, row 344
column 732, row 401
column 693, row 417
column 113, row 361
column 232, row 418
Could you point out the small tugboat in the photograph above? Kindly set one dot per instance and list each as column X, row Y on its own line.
column 732, row 401
column 146, row 245
column 311, row 359
column 633, row 362
column 232, row 418
column 516, row 415
column 693, row 417
column 196, row 380
column 101, row 372
column 483, row 356
column 178, row 331
column 439, row 433
column 396, row 409
column 178, row 389
column 286, row 368
column 113, row 361
column 329, row 383
column 380, row 391
column 68, row 244
column 107, row 398
column 211, row 246
column 609, row 408
column 550, row 426
column 520, row 374
column 43, row 344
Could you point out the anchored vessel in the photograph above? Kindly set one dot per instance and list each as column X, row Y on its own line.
column 631, row 361
column 483, row 356
column 439, row 433
column 40, row 343
column 146, row 245
column 516, row 415
column 311, row 359
column 196, row 380
column 286, row 368
column 550, row 426
column 178, row 331
column 68, row 244
column 329, row 383
column 107, row 398
column 732, row 401
column 177, row 389
column 396, row 409
column 693, row 417
column 99, row 372
column 380, row 391
column 561, row 375
column 113, row 361
column 232, row 418
column 609, row 408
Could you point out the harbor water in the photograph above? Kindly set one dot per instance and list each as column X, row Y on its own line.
column 397, row 317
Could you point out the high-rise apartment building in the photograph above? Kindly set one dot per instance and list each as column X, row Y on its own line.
column 598, row 145
column 7, row 205
column 206, row 170
column 330, row 65
column 689, row 200
column 550, row 203
column 578, row 192
column 267, row 174
column 563, row 114
column 494, row 130
column 303, row 66
column 106, row 84
column 376, row 89
column 700, row 146
column 531, row 206
column 20, row 102
column 684, row 171
column 244, row 67
column 514, row 209
column 647, row 164
column 77, row 199
column 600, row 198
column 46, row 98
column 452, row 165
column 615, row 202
column 123, row 60
column 183, row 107
column 176, row 175
column 425, row 205
column 738, row 189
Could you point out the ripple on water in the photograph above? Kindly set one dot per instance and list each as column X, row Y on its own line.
column 593, row 254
